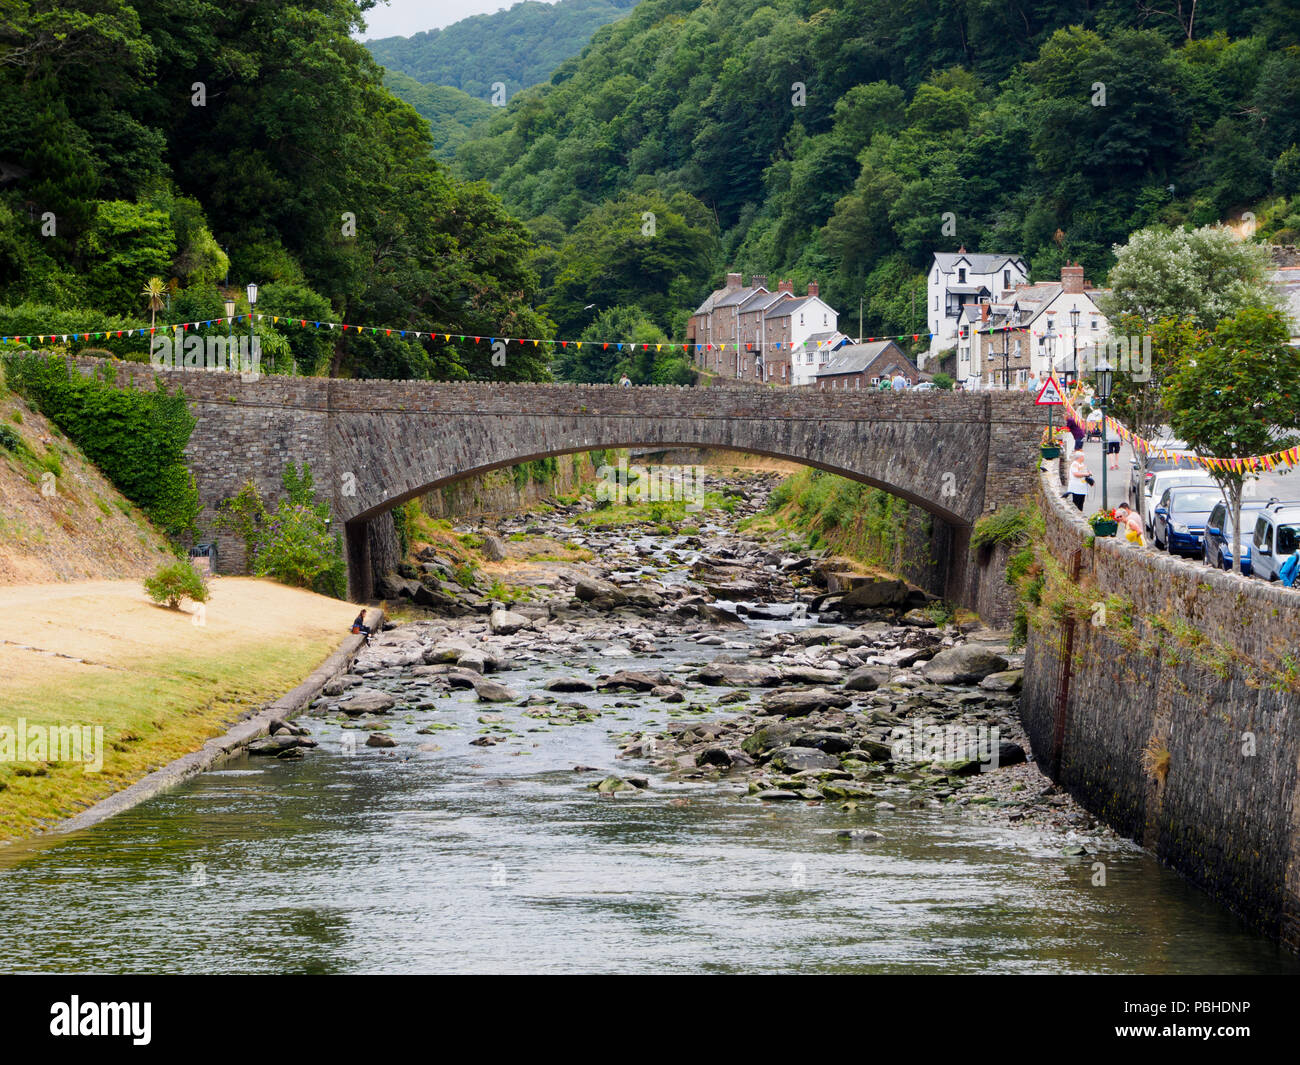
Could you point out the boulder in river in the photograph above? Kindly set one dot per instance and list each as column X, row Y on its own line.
column 507, row 622
column 489, row 691
column 378, row 739
column 569, row 684
column 866, row 678
column 642, row 682
column 367, row 701
column 797, row 759
column 963, row 664
column 737, row 675
column 802, row 703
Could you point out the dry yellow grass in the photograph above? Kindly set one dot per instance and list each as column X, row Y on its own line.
column 79, row 527
column 100, row 654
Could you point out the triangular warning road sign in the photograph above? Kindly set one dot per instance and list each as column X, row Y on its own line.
column 1050, row 394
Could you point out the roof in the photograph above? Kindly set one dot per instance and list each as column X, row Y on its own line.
column 854, row 358
column 762, row 300
column 737, row 296
column 788, row 307
column 824, row 338
column 981, row 264
column 967, row 290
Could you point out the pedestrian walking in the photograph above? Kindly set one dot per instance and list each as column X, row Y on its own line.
column 1076, row 430
column 1079, row 475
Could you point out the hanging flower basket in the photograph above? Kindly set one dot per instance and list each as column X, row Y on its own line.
column 1053, row 452
column 1104, row 523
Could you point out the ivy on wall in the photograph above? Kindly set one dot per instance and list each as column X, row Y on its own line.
column 136, row 438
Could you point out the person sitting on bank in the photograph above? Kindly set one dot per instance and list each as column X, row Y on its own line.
column 359, row 624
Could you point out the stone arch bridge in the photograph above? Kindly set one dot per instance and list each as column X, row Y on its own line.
column 374, row 444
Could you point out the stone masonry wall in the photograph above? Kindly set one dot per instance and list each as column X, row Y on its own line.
column 1226, row 812
column 372, row 444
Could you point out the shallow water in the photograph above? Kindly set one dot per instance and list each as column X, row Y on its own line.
column 469, row 859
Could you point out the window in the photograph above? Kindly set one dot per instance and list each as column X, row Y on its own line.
column 1261, row 532
column 936, row 301
column 961, row 275
column 1286, row 539
column 801, row 318
column 1006, row 278
column 823, row 319
column 1094, row 323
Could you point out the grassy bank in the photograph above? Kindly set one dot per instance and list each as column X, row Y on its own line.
column 847, row 517
column 99, row 654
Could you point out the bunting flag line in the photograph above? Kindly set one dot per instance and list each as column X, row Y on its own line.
column 1214, row 464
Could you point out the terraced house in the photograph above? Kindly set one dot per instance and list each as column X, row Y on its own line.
column 752, row 334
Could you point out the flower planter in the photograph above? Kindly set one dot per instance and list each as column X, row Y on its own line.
column 1051, row 452
column 1105, row 528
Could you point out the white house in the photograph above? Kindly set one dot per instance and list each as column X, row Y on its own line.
column 1006, row 343
column 806, row 327
column 962, row 277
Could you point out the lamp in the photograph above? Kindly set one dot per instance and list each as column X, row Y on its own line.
column 252, row 305
column 230, row 315
column 1103, row 378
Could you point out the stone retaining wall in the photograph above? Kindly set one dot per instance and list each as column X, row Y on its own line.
column 1201, row 765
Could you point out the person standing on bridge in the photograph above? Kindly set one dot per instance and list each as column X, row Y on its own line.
column 1079, row 477
column 899, row 383
column 625, row 381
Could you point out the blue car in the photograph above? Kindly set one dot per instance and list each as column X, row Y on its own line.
column 1178, row 521
column 1216, row 545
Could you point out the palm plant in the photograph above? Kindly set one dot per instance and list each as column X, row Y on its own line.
column 153, row 292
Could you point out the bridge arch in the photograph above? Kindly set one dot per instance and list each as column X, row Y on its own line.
column 372, row 444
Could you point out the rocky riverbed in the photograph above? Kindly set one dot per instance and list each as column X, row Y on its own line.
column 711, row 657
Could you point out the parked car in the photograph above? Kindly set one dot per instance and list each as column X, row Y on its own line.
column 1174, row 478
column 1178, row 520
column 1277, row 534
column 923, row 386
column 1216, row 545
column 1156, row 464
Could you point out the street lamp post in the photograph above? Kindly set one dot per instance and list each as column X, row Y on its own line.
column 1050, row 338
column 230, row 317
column 1103, row 382
column 252, row 307
column 1074, row 324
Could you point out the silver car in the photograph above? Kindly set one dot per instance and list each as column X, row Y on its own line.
column 1172, row 479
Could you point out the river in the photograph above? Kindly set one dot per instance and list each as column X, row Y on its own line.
column 439, row 856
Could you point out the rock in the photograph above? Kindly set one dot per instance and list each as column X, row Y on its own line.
column 449, row 651
column 588, row 589
column 802, row 703
column 612, row 784
column 830, row 742
column 393, row 586
column 489, row 691
column 668, row 694
column 719, row 617
column 433, row 597
column 1008, row 680
column 737, row 675
column 276, row 745
column 858, row 834
column 474, row 660
column 964, row 664
column 779, row 734
column 1009, row 754
column 776, row 795
column 879, row 592
column 797, row 759
column 340, row 684
column 367, row 701
column 378, row 739
column 642, row 682
column 507, row 622
column 493, row 549
column 714, row 756
column 918, row 618
column 809, row 675
column 866, row 678
column 569, row 684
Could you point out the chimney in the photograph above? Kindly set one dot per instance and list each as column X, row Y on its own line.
column 1072, row 278
column 733, row 281
column 984, row 312
column 785, row 286
column 812, row 288
column 759, row 281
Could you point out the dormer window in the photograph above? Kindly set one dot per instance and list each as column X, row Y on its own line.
column 1006, row 278
column 961, row 275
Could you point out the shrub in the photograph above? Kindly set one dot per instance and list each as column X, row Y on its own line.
column 296, row 547
column 9, row 439
column 176, row 582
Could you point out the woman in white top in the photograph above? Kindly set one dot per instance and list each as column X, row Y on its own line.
column 1078, row 486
